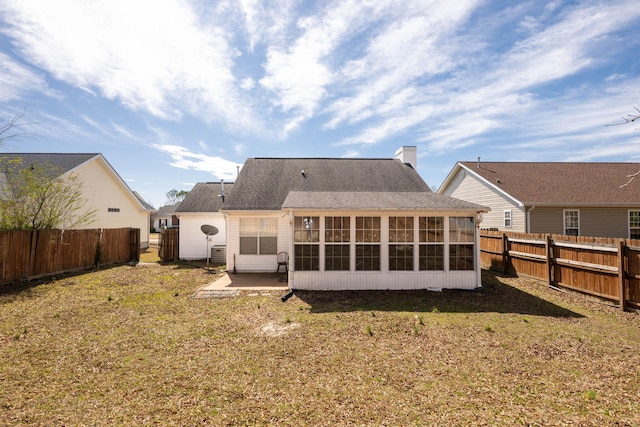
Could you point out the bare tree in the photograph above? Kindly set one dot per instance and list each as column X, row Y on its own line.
column 13, row 127
column 629, row 118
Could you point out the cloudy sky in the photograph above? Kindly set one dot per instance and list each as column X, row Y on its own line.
column 183, row 91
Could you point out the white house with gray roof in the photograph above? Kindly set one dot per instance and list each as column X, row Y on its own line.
column 202, row 207
column 351, row 224
column 115, row 204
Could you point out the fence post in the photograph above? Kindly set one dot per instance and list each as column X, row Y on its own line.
column 621, row 274
column 505, row 252
column 548, row 249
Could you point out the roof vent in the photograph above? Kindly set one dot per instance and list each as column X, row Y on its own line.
column 304, row 175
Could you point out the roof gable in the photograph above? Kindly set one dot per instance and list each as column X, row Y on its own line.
column 264, row 183
column 205, row 197
column 64, row 163
column 561, row 183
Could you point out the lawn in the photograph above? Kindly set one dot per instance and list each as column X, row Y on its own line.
column 130, row 346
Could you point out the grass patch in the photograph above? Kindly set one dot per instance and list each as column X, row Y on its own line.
column 154, row 355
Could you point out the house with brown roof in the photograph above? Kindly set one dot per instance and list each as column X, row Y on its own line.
column 349, row 223
column 580, row 199
column 201, row 207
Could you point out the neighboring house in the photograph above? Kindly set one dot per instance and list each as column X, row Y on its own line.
column 201, row 207
column 585, row 199
column 351, row 224
column 165, row 217
column 115, row 205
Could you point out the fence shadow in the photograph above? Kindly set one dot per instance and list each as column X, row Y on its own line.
column 495, row 296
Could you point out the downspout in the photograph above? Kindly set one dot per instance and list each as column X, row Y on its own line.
column 528, row 227
column 290, row 273
column 479, row 218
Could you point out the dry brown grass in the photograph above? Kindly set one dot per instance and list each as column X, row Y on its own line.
column 129, row 346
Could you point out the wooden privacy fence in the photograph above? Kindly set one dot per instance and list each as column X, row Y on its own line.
column 31, row 254
column 168, row 244
column 604, row 267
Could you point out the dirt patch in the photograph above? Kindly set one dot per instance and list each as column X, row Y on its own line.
column 278, row 329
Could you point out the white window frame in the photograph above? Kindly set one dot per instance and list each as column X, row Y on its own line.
column 565, row 212
column 508, row 219
column 259, row 230
column 629, row 225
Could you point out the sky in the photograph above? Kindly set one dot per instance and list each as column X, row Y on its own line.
column 176, row 92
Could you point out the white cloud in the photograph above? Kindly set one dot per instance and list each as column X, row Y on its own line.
column 162, row 60
column 16, row 79
column 182, row 158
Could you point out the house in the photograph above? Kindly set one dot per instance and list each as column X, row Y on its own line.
column 351, row 224
column 115, row 205
column 202, row 207
column 165, row 217
column 585, row 199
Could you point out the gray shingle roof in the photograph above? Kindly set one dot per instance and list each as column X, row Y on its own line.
column 563, row 183
column 264, row 183
column 375, row 200
column 274, row 183
column 205, row 197
column 58, row 162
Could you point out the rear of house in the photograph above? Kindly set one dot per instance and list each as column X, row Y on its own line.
column 201, row 207
column 351, row 224
column 585, row 199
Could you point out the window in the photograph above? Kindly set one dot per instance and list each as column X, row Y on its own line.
column 367, row 243
column 572, row 222
column 336, row 257
column 337, row 229
column 461, row 243
column 258, row 236
column 634, row 224
column 113, row 209
column 306, row 236
column 401, row 231
column 507, row 219
column 431, row 238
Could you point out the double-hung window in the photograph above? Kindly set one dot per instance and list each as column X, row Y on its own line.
column 634, row 224
column 258, row 236
column 571, row 222
column 367, row 243
column 337, row 235
column 306, row 237
column 431, row 237
column 461, row 243
column 507, row 219
column 401, row 243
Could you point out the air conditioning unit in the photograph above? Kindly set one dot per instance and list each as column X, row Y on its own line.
column 218, row 254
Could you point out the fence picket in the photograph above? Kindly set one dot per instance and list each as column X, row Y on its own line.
column 29, row 254
column 604, row 267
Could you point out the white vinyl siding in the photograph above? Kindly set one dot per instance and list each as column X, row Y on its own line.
column 255, row 263
column 193, row 242
column 103, row 190
column 465, row 186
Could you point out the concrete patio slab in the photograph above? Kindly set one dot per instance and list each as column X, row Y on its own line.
column 248, row 282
